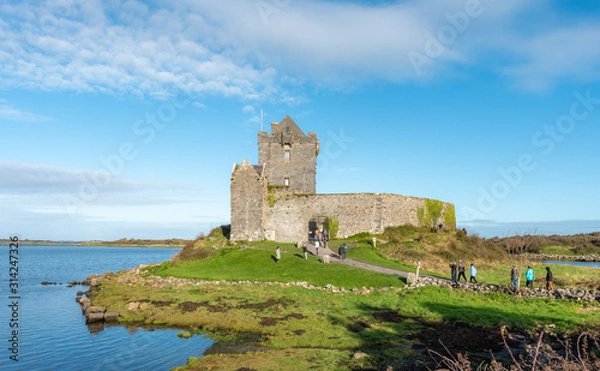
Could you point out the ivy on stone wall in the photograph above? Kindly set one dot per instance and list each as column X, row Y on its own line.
column 271, row 199
column 450, row 216
column 421, row 216
column 429, row 216
column 334, row 226
column 434, row 209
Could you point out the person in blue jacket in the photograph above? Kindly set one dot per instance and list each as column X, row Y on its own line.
column 473, row 273
column 529, row 276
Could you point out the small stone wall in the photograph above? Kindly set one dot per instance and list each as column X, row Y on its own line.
column 132, row 277
column 523, row 292
column 573, row 258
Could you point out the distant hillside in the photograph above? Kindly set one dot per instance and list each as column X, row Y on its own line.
column 124, row 242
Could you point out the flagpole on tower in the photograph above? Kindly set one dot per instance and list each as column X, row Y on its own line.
column 261, row 119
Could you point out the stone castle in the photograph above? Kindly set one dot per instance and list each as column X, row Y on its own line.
column 277, row 200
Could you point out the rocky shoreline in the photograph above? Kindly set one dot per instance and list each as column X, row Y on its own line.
column 95, row 314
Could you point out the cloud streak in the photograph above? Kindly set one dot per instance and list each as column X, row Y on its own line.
column 22, row 178
column 10, row 113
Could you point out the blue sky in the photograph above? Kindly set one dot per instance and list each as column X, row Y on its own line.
column 124, row 118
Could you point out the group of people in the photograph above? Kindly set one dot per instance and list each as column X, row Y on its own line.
column 320, row 238
column 458, row 270
column 530, row 277
column 341, row 251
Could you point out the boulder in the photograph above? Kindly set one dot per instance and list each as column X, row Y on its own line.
column 94, row 317
column 360, row 355
column 95, row 309
column 111, row 316
column 132, row 306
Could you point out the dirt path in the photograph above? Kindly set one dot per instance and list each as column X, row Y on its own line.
column 335, row 258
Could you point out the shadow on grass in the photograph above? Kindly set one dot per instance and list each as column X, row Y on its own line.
column 390, row 338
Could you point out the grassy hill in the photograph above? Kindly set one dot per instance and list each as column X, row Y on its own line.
column 402, row 248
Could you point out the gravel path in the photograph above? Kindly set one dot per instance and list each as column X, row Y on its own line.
column 335, row 258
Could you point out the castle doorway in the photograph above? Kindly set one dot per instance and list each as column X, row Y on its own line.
column 317, row 228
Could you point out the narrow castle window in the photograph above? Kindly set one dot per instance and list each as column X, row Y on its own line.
column 286, row 181
column 286, row 155
column 287, row 129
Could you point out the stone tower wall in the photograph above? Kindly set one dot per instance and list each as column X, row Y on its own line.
column 300, row 167
column 248, row 205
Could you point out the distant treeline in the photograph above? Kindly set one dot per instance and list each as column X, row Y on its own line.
column 172, row 242
column 582, row 244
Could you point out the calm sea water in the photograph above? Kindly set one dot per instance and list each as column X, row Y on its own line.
column 52, row 331
column 581, row 264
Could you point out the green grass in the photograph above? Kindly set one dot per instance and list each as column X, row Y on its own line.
column 495, row 310
column 315, row 328
column 253, row 264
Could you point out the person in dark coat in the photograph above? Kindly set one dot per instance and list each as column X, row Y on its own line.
column 461, row 271
column 549, row 279
column 453, row 271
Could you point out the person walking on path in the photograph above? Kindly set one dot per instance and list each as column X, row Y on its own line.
column 305, row 251
column 549, row 279
column 277, row 254
column 529, row 277
column 461, row 271
column 514, row 276
column 473, row 273
column 417, row 274
column 344, row 250
column 453, row 271
column 317, row 247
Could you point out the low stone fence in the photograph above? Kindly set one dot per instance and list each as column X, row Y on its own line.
column 573, row 258
column 522, row 292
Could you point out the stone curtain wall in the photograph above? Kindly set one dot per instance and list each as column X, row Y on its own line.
column 288, row 216
column 248, row 205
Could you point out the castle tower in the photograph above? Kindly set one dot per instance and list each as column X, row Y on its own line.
column 248, row 191
column 289, row 156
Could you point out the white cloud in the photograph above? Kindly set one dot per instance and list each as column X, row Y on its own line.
column 565, row 54
column 10, row 113
column 248, row 109
column 236, row 49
